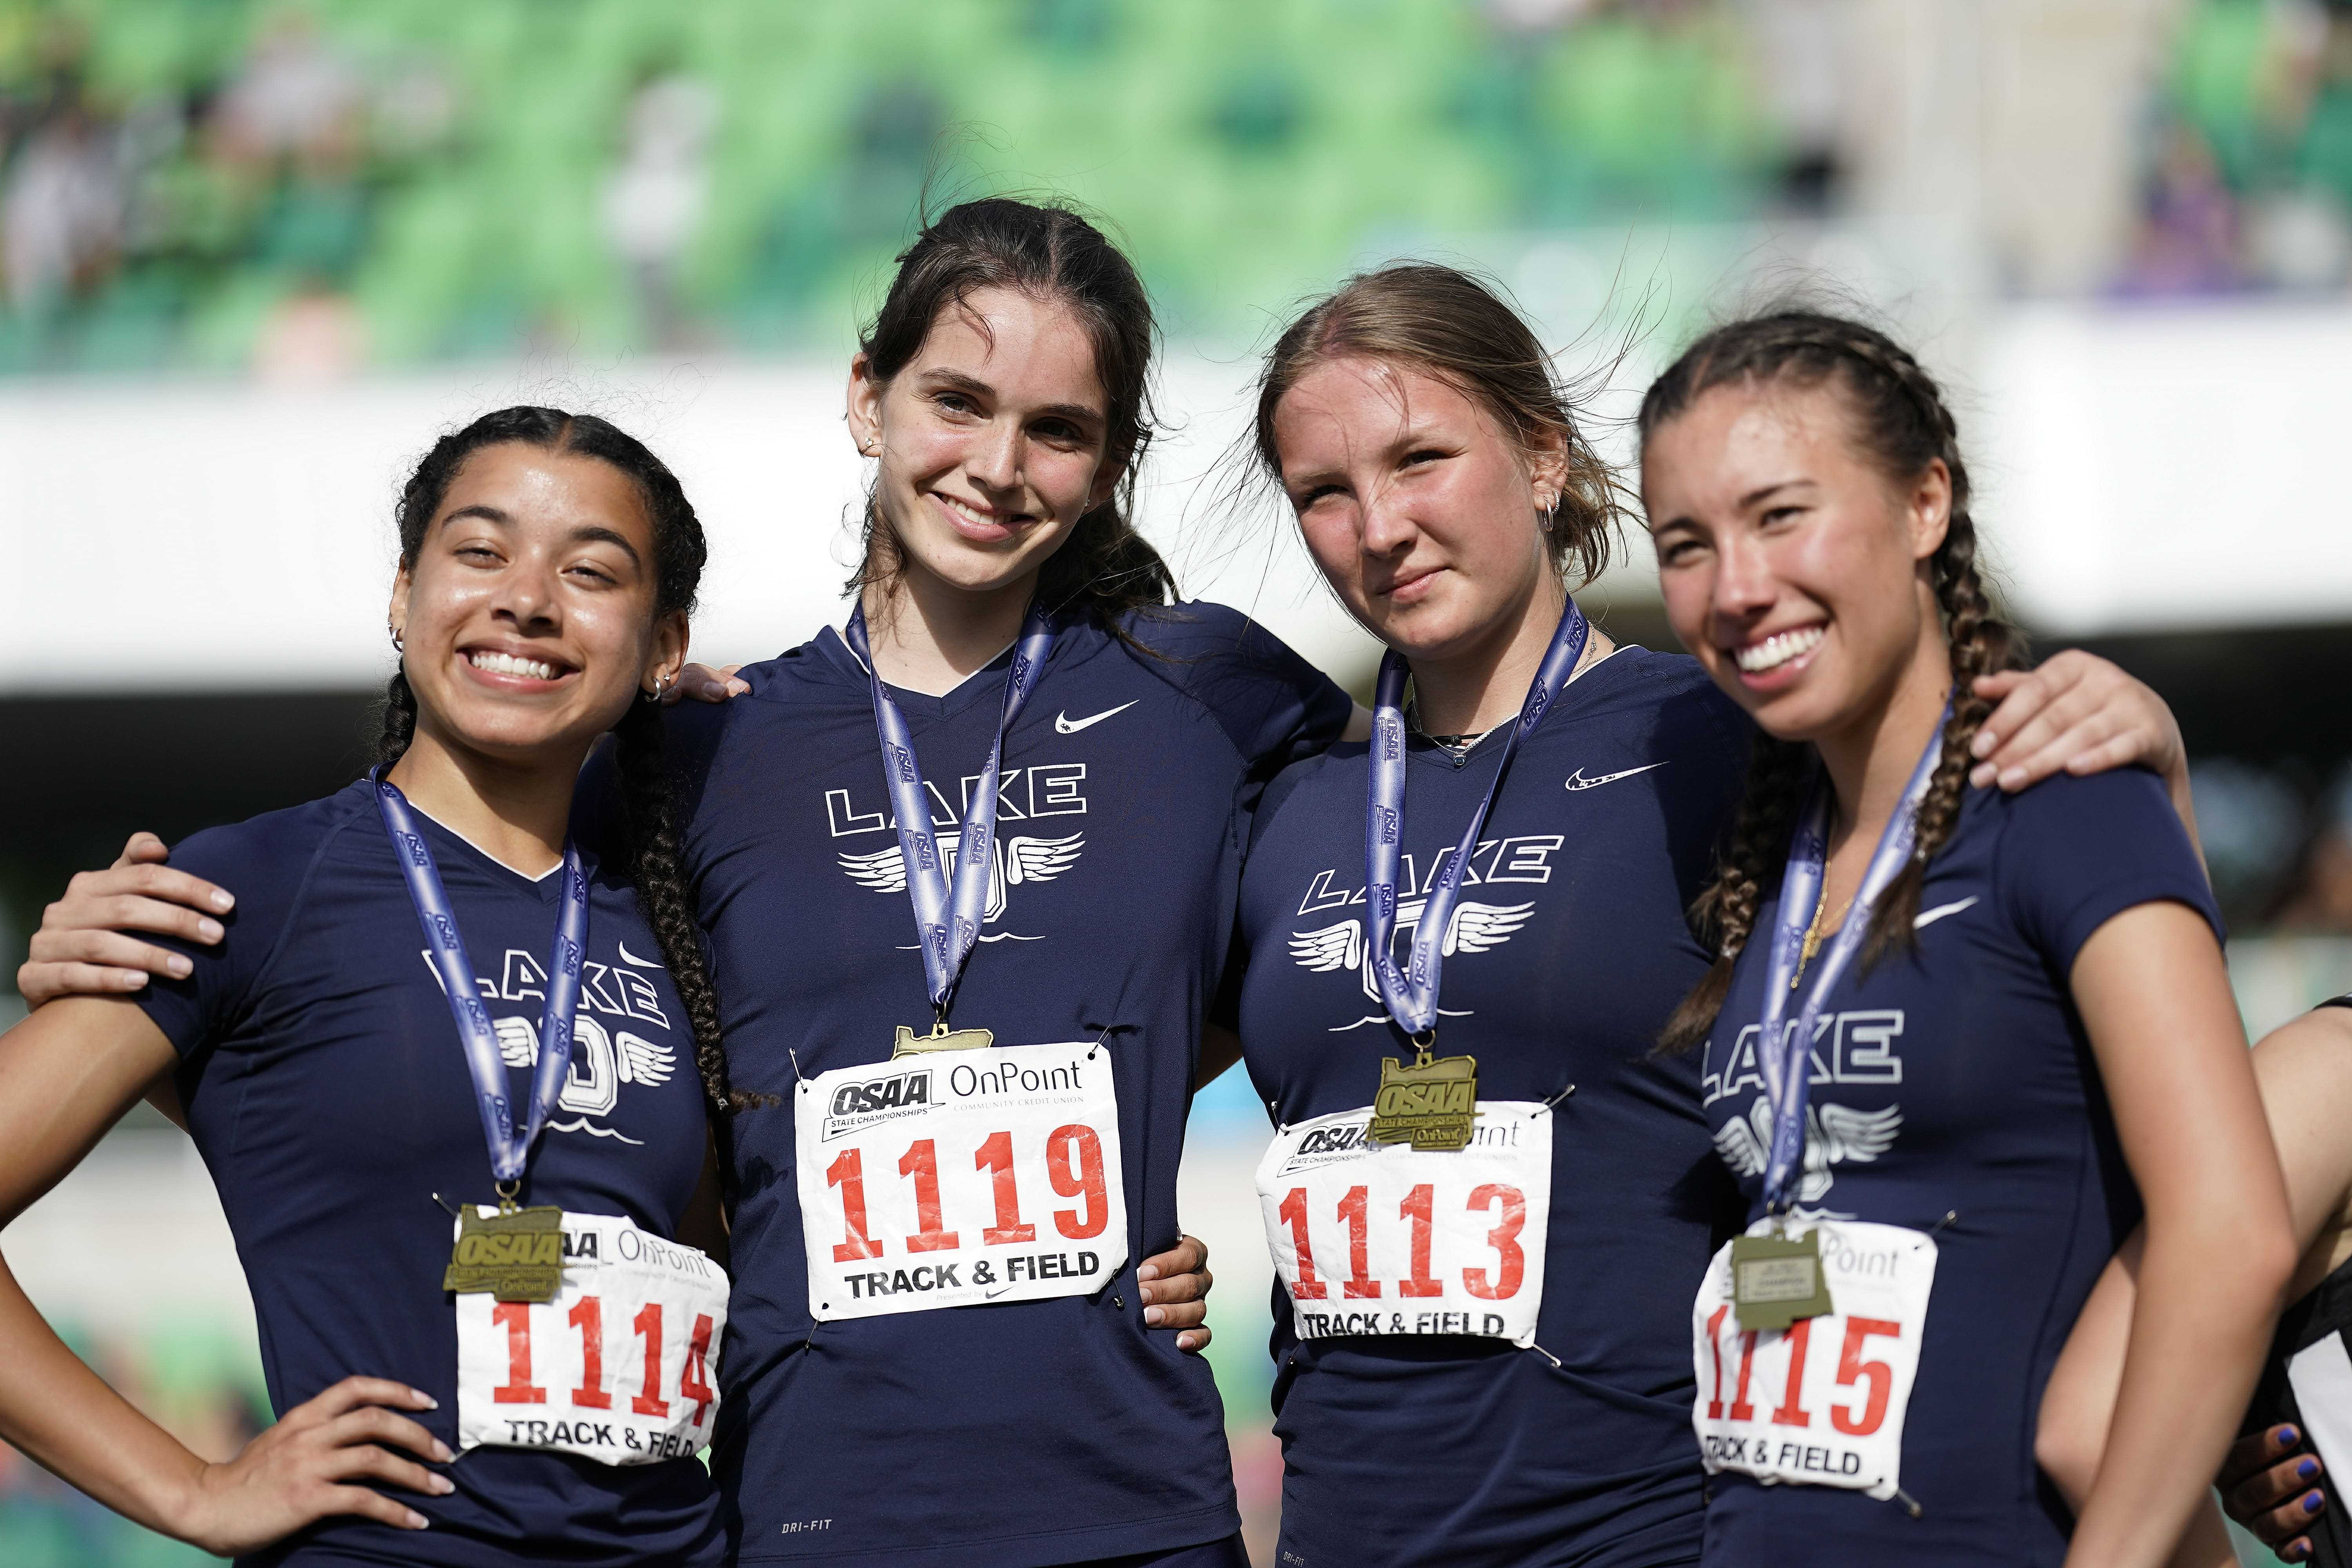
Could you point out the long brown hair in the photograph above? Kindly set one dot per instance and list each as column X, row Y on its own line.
column 1444, row 322
column 1900, row 422
column 1050, row 252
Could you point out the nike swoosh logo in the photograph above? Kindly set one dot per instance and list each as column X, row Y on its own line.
column 640, row 963
column 1577, row 781
column 1929, row 917
column 1070, row 726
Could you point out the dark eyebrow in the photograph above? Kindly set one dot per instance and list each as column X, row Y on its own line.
column 956, row 381
column 1759, row 494
column 592, row 534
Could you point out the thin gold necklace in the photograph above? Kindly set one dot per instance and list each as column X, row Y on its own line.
column 1813, row 939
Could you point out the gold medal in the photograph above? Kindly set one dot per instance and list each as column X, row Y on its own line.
column 941, row 1038
column 1431, row 1103
column 516, row 1254
column 1776, row 1279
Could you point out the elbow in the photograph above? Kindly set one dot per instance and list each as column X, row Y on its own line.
column 2068, row 1447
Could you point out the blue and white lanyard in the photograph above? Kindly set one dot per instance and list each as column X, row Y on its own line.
column 948, row 920
column 1785, row 1053
column 510, row 1147
column 1411, row 995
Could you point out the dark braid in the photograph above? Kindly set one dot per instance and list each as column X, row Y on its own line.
column 650, row 797
column 1901, row 422
column 651, row 853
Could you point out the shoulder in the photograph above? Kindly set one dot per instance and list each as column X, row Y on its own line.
column 1676, row 692
column 2070, row 853
column 1270, row 702
column 276, row 849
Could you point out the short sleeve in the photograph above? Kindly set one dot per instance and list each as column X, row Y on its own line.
column 264, row 864
column 2077, row 852
column 1274, row 706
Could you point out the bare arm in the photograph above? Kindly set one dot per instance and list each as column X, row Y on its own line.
column 2165, row 1029
column 66, row 1074
column 2300, row 1068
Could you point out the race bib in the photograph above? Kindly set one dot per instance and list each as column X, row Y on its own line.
column 960, row 1177
column 1383, row 1238
column 622, row 1367
column 1820, row 1403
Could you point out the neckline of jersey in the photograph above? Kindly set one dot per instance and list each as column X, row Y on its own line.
column 541, row 883
column 1580, row 690
column 844, row 664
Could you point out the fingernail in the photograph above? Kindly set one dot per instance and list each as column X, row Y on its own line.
column 1152, row 1316
column 2013, row 779
column 2288, row 1435
column 209, row 930
column 444, row 1485
column 1983, row 743
column 441, row 1451
column 1981, row 774
column 1149, row 1271
column 179, row 966
column 430, row 1403
column 415, row 1520
column 223, row 900
column 2307, row 1469
column 132, row 979
column 2311, row 1502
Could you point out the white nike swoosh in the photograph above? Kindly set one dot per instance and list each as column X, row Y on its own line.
column 1070, row 726
column 1929, row 917
column 1577, row 781
column 640, row 963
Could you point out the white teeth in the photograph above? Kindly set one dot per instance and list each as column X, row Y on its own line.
column 1777, row 649
column 963, row 510
column 507, row 664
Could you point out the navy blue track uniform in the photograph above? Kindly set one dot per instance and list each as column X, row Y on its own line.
column 1024, row 1433
column 327, row 1089
column 1971, row 1064
column 1459, row 1450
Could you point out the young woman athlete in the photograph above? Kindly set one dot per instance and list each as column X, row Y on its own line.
column 1484, row 1356
column 1005, row 812
column 1954, row 1043
column 367, row 1044
column 2299, row 1425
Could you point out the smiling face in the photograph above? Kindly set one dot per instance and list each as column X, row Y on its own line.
column 992, row 442
column 527, row 615
column 1790, row 564
column 1418, row 507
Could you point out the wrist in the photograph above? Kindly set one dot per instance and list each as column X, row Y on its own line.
column 183, row 1504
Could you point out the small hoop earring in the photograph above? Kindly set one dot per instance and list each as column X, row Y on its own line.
column 397, row 645
column 661, row 690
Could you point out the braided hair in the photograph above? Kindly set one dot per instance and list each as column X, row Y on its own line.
column 650, row 847
column 1901, row 423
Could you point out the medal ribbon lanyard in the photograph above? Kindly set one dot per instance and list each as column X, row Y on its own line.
column 1785, row 1052
column 948, row 918
column 1411, row 995
column 510, row 1146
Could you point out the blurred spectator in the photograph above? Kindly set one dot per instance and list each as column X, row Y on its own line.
column 2189, row 239
column 296, row 99
column 61, row 212
column 1805, row 66
column 314, row 337
column 2319, row 898
column 655, row 199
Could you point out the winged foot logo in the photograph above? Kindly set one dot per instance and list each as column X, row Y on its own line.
column 1855, row 1048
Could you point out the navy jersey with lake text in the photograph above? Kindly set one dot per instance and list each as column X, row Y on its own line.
column 1955, row 1091
column 327, row 1089
column 1572, row 948
column 1021, row 1432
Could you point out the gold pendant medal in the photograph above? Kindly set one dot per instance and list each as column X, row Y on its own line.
column 942, row 1039
column 1776, row 1279
column 1432, row 1103
column 516, row 1254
